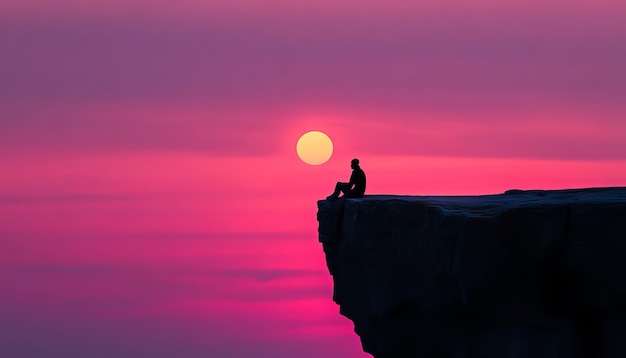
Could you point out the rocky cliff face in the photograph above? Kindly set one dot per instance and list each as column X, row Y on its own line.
column 522, row 274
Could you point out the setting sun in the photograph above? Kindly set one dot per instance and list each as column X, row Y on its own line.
column 314, row 148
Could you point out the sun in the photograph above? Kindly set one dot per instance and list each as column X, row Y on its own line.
column 314, row 148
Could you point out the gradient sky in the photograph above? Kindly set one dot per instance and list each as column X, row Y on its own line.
column 151, row 200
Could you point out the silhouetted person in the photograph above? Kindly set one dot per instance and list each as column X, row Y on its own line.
column 353, row 189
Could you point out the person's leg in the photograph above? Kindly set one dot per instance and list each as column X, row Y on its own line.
column 335, row 194
column 345, row 189
column 339, row 188
column 349, row 194
column 352, row 194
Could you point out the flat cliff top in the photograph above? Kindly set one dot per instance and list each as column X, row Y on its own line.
column 497, row 203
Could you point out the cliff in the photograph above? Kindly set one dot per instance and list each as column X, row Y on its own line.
column 522, row 274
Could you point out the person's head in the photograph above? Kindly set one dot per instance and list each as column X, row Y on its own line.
column 354, row 163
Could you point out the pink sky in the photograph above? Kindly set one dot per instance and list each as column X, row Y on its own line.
column 151, row 200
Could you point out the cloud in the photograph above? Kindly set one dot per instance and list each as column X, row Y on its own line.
column 567, row 136
column 143, row 127
column 65, row 198
column 268, row 275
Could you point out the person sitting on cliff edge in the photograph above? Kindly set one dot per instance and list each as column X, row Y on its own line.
column 355, row 188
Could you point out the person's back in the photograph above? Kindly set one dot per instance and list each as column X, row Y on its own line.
column 358, row 179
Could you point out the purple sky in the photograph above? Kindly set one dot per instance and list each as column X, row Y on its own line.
column 253, row 66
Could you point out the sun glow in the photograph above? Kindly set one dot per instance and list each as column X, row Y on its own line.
column 314, row 148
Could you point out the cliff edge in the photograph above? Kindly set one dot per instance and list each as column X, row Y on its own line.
column 522, row 274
